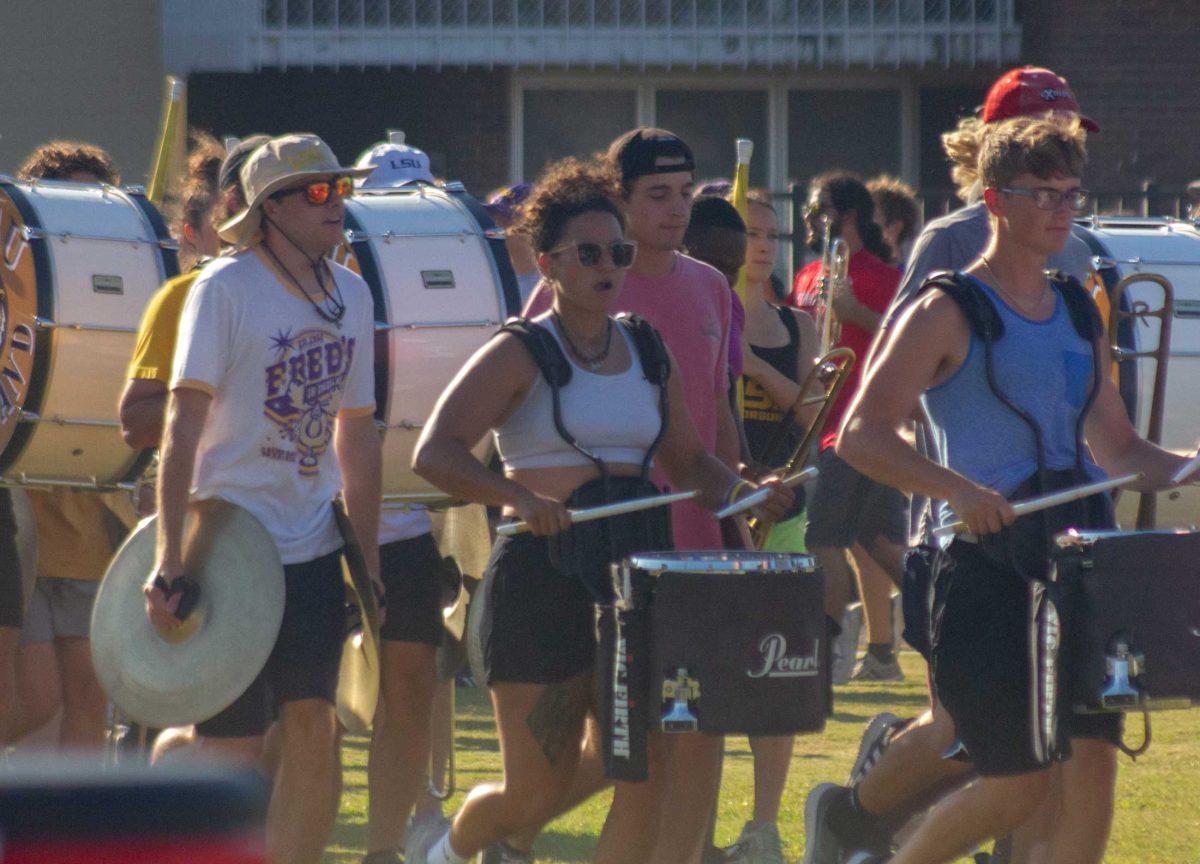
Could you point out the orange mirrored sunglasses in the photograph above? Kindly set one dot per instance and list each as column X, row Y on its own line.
column 318, row 193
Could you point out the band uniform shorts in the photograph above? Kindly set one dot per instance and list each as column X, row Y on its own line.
column 848, row 507
column 59, row 609
column 412, row 580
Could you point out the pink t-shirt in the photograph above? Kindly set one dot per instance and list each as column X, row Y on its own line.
column 690, row 308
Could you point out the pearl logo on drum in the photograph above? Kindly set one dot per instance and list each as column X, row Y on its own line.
column 777, row 663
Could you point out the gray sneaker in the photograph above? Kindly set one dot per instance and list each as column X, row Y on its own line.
column 502, row 853
column 820, row 843
column 845, row 647
column 757, row 844
column 874, row 741
column 420, row 836
column 871, row 668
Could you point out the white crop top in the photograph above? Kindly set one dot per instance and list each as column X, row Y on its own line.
column 615, row 417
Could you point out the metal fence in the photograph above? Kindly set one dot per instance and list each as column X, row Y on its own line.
column 636, row 33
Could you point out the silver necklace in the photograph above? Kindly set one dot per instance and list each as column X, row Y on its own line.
column 594, row 362
column 1009, row 297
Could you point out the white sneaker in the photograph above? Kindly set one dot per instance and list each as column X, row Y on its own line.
column 757, row 844
column 420, row 836
column 845, row 647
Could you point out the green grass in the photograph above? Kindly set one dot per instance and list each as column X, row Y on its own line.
column 1158, row 798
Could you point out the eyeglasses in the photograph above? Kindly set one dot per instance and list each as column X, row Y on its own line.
column 318, row 193
column 620, row 252
column 1045, row 198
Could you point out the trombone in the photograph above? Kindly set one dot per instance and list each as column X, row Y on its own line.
column 1139, row 310
column 829, row 375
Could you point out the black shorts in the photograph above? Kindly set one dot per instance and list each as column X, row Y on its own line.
column 848, row 507
column 538, row 625
column 412, row 578
column 12, row 595
column 304, row 662
column 996, row 665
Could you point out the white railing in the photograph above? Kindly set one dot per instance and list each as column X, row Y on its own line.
column 665, row 34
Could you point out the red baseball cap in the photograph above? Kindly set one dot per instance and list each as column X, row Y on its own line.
column 1030, row 91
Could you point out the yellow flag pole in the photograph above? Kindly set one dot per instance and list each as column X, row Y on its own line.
column 738, row 197
column 168, row 132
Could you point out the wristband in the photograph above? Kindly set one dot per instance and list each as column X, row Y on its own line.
column 735, row 491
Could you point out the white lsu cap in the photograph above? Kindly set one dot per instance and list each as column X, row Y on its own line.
column 395, row 164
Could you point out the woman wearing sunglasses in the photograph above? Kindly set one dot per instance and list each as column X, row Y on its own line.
column 586, row 439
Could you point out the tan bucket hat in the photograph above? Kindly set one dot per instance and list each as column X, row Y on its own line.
column 272, row 167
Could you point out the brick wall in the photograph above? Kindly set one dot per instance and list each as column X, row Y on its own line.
column 460, row 118
column 1135, row 67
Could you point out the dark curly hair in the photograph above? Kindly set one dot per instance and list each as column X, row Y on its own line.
column 58, row 160
column 198, row 193
column 566, row 189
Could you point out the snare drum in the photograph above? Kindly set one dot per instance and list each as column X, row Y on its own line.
column 718, row 642
column 1130, row 610
column 80, row 262
column 442, row 284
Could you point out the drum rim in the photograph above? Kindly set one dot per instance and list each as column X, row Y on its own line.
column 721, row 562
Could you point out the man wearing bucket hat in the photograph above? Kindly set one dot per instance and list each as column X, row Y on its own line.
column 271, row 408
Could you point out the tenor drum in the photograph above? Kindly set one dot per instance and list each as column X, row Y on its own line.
column 442, row 285
column 80, row 262
column 1130, row 612
column 718, row 642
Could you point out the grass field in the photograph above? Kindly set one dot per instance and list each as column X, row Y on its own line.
column 1158, row 798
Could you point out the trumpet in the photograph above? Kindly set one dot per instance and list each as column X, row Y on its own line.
column 1147, row 511
column 829, row 375
column 835, row 267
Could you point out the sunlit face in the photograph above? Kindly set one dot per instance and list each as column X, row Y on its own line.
column 594, row 287
column 314, row 227
column 659, row 206
column 762, row 243
column 1043, row 232
column 202, row 236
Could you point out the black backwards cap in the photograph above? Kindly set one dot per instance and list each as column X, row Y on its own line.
column 636, row 153
column 235, row 158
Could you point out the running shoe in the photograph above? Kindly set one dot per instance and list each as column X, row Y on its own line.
column 502, row 853
column 875, row 740
column 871, row 668
column 845, row 647
column 867, row 858
column 757, row 844
column 421, row 834
column 820, row 843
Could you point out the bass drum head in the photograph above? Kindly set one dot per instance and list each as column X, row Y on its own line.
column 436, row 278
column 24, row 260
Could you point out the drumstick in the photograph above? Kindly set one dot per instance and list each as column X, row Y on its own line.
column 758, row 496
column 588, row 514
column 1066, row 496
column 1188, row 467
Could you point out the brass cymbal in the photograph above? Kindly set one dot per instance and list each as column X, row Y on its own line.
column 200, row 669
column 358, row 674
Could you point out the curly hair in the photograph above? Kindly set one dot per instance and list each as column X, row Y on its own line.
column 58, row 160
column 568, row 188
column 895, row 201
column 198, row 194
column 847, row 191
column 1045, row 148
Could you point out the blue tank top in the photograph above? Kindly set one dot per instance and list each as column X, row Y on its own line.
column 1045, row 368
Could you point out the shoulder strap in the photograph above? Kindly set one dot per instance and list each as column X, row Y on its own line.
column 788, row 316
column 1085, row 316
column 983, row 319
column 544, row 349
column 651, row 351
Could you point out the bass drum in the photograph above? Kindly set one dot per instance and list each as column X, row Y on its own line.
column 80, row 262
column 442, row 284
column 1169, row 248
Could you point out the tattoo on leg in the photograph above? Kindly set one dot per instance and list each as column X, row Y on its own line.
column 554, row 720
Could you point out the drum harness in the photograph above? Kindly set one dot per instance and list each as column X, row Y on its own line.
column 586, row 549
column 985, row 323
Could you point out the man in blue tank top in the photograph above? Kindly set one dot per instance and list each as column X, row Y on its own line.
column 1012, row 407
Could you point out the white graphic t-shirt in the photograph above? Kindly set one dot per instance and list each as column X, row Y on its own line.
column 279, row 375
column 403, row 523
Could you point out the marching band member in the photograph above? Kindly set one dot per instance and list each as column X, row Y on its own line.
column 539, row 641
column 849, row 515
column 951, row 243
column 1009, row 366
column 77, row 534
column 272, row 392
column 897, row 214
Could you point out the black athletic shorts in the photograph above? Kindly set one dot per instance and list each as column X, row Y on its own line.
column 304, row 662
column 996, row 665
column 412, row 579
column 538, row 625
column 848, row 507
column 12, row 595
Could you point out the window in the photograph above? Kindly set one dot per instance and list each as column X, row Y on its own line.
column 710, row 121
column 560, row 123
column 858, row 130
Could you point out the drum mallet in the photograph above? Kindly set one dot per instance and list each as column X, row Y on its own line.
column 758, row 496
column 604, row 511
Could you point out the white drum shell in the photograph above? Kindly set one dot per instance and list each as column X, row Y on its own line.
column 105, row 262
column 442, row 299
column 1168, row 248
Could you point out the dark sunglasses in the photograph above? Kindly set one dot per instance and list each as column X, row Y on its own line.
column 621, row 252
column 318, row 193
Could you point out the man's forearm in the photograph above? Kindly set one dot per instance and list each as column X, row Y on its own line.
column 885, row 457
column 727, row 449
column 142, row 421
column 362, row 465
column 184, row 424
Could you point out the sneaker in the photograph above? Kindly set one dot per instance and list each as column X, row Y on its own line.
column 820, row 844
column 757, row 844
column 845, row 647
column 502, row 853
column 867, row 858
column 875, row 740
column 421, row 834
column 871, row 668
